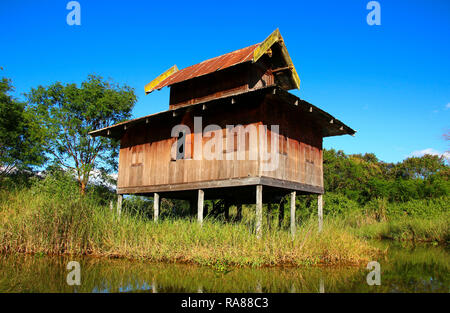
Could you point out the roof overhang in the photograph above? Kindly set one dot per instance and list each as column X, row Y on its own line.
column 329, row 124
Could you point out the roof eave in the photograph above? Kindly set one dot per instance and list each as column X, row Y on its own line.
column 329, row 122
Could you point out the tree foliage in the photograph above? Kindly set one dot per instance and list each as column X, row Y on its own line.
column 363, row 178
column 20, row 146
column 68, row 113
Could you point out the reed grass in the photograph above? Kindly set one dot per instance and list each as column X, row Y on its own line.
column 56, row 220
column 409, row 229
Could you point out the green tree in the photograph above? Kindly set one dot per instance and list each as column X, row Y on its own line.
column 420, row 167
column 20, row 146
column 68, row 113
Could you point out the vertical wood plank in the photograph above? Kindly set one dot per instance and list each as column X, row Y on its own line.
column 258, row 221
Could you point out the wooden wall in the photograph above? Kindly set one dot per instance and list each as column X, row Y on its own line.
column 240, row 78
column 145, row 154
column 300, row 144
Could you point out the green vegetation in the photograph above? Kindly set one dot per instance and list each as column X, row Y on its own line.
column 407, row 201
column 53, row 218
column 20, row 145
column 67, row 113
column 425, row 220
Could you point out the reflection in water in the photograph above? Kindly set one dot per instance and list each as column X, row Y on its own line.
column 404, row 269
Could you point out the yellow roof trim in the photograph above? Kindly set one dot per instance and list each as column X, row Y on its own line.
column 288, row 60
column 149, row 87
column 264, row 46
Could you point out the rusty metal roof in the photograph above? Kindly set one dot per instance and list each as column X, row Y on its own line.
column 208, row 66
column 248, row 54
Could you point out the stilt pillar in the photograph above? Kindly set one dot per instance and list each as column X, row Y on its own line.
column 239, row 212
column 226, row 212
column 156, row 203
column 281, row 213
column 119, row 204
column 293, row 195
column 201, row 196
column 258, row 220
column 320, row 211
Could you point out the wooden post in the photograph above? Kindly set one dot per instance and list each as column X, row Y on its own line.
column 226, row 212
column 281, row 213
column 320, row 211
column 119, row 204
column 239, row 212
column 258, row 221
column 192, row 207
column 293, row 195
column 205, row 210
column 201, row 195
column 155, row 207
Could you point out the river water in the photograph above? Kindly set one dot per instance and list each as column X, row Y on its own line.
column 404, row 268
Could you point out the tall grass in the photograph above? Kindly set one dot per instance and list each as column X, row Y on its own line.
column 419, row 220
column 53, row 218
column 409, row 229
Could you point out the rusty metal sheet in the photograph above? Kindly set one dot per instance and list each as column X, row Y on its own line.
column 208, row 66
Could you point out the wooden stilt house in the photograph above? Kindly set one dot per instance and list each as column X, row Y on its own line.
column 232, row 132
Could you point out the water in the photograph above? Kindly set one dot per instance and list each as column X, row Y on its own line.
column 405, row 268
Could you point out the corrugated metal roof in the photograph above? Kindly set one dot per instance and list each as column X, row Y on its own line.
column 208, row 66
column 252, row 53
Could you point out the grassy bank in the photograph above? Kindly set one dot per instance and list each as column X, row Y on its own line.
column 409, row 229
column 419, row 220
column 52, row 218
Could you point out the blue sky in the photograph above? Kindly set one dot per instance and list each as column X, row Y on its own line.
column 390, row 82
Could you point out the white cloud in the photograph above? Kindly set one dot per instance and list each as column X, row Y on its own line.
column 447, row 106
column 430, row 151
